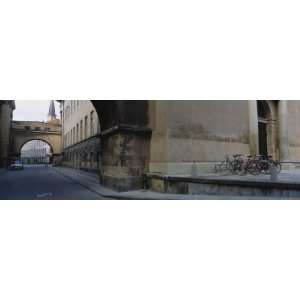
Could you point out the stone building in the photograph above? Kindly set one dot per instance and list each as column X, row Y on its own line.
column 6, row 116
column 81, row 135
column 23, row 132
column 169, row 137
column 204, row 132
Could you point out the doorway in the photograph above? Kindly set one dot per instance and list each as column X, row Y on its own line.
column 266, row 111
column 262, row 135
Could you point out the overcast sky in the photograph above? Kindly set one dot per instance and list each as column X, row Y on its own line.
column 28, row 110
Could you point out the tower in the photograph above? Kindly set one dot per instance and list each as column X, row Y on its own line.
column 52, row 115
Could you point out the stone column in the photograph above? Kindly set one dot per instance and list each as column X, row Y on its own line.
column 125, row 143
column 253, row 127
column 125, row 157
column 5, row 131
column 1, row 121
column 283, row 134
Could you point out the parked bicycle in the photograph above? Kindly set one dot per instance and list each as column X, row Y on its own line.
column 232, row 164
column 239, row 164
column 264, row 165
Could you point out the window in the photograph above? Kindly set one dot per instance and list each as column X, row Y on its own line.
column 37, row 128
column 77, row 132
column 98, row 126
column 81, row 125
column 92, row 123
column 85, row 127
column 27, row 127
column 74, row 140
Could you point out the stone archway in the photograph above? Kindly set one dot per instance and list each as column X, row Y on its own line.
column 125, row 142
column 51, row 153
column 20, row 139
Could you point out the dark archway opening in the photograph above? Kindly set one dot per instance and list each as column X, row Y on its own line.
column 267, row 112
column 263, row 112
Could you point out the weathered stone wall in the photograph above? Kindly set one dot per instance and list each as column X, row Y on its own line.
column 294, row 130
column 201, row 131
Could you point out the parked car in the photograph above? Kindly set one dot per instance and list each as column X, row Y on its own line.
column 17, row 165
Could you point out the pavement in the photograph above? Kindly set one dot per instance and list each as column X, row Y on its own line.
column 57, row 183
column 91, row 182
column 41, row 183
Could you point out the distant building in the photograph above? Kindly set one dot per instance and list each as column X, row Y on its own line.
column 36, row 152
column 81, row 135
column 6, row 116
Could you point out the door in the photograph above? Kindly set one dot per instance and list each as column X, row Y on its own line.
column 263, row 145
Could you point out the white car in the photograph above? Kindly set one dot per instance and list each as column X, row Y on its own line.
column 17, row 165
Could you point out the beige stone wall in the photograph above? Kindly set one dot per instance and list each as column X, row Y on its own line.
column 294, row 130
column 25, row 131
column 201, row 131
column 35, row 126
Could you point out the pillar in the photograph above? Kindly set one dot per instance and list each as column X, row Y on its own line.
column 125, row 143
column 125, row 157
column 283, row 134
column 5, row 119
column 253, row 127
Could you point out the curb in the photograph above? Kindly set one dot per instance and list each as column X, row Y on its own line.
column 2, row 170
column 111, row 196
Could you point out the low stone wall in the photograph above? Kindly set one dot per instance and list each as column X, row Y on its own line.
column 221, row 186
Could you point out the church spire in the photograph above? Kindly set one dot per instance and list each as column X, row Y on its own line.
column 51, row 114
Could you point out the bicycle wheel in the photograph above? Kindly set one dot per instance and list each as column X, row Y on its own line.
column 277, row 166
column 265, row 167
column 221, row 167
column 254, row 168
column 243, row 170
column 217, row 168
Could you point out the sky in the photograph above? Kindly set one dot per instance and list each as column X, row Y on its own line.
column 28, row 110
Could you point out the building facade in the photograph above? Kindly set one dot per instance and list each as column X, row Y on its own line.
column 203, row 132
column 81, row 135
column 171, row 137
column 32, row 134
column 6, row 115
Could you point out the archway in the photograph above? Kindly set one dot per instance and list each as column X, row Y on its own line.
column 36, row 151
column 125, row 142
column 267, row 128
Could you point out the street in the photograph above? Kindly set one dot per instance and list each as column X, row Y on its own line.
column 37, row 182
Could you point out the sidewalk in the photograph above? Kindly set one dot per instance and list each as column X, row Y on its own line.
column 2, row 170
column 91, row 182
